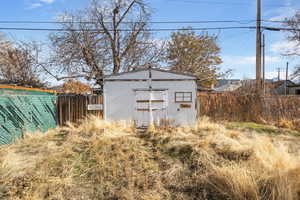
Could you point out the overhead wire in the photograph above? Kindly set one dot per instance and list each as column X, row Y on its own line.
column 274, row 21
column 128, row 30
column 226, row 3
column 150, row 22
column 149, row 29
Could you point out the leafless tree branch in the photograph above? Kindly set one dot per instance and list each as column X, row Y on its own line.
column 18, row 63
column 108, row 50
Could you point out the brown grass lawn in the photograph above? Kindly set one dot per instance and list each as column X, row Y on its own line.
column 103, row 160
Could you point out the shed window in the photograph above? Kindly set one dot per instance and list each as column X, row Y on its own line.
column 183, row 97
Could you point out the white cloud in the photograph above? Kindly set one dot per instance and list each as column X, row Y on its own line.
column 47, row 1
column 40, row 3
column 35, row 5
column 250, row 60
column 272, row 59
column 63, row 17
column 286, row 47
column 272, row 75
column 280, row 13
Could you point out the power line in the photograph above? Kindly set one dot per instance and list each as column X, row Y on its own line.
column 210, row 2
column 280, row 29
column 128, row 30
column 227, row 3
column 274, row 21
column 152, row 29
column 150, row 22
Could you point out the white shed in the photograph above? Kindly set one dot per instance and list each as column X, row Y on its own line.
column 151, row 96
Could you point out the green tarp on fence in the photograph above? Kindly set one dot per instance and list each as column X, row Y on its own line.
column 25, row 113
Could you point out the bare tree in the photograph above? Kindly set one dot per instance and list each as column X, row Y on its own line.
column 109, row 36
column 294, row 24
column 19, row 63
column 195, row 53
column 4, row 43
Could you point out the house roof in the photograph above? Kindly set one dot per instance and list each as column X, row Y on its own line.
column 222, row 82
column 231, row 86
column 295, row 85
column 279, row 83
column 154, row 69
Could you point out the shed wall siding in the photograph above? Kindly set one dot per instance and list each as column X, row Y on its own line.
column 119, row 99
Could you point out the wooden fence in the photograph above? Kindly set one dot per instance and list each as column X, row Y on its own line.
column 251, row 107
column 225, row 106
column 72, row 108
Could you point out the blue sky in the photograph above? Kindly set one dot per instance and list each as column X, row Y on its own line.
column 237, row 46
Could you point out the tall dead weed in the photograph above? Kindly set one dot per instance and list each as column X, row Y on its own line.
column 112, row 160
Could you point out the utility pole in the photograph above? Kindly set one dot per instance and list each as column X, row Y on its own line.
column 278, row 69
column 258, row 42
column 286, row 77
column 263, row 63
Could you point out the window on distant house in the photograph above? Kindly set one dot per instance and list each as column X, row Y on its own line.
column 298, row 92
column 181, row 97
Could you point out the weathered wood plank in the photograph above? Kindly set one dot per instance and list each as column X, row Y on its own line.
column 73, row 108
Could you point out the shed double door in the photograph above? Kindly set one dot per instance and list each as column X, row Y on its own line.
column 150, row 107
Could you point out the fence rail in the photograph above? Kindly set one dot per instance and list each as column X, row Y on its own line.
column 72, row 108
column 251, row 108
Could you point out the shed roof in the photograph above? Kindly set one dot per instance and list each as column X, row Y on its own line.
column 186, row 75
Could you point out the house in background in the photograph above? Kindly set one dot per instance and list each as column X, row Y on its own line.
column 222, row 82
column 286, row 87
column 282, row 87
column 151, row 96
column 228, row 85
column 279, row 87
column 294, row 89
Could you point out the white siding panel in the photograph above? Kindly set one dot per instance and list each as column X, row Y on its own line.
column 119, row 100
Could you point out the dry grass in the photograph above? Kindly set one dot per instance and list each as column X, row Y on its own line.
column 290, row 124
column 105, row 160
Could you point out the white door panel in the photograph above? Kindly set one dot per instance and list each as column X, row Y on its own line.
column 150, row 105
